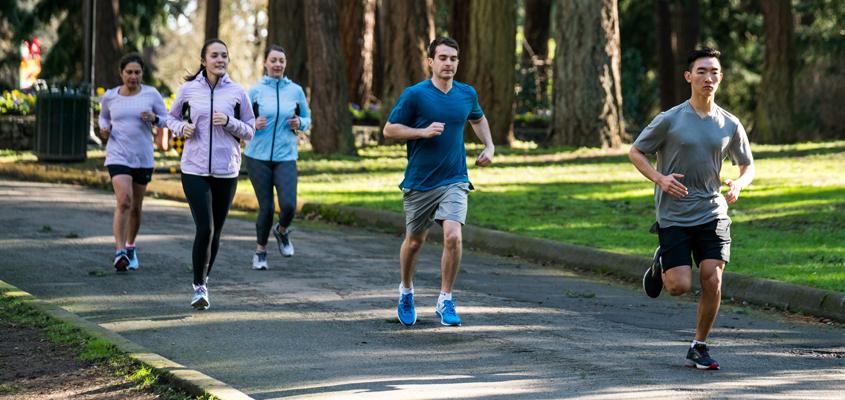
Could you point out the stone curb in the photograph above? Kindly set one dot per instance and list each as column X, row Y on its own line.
column 194, row 382
column 759, row 291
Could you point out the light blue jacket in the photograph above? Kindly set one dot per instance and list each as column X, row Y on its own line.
column 277, row 100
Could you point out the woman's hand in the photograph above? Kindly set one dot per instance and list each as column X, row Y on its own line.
column 104, row 133
column 293, row 122
column 188, row 130
column 261, row 122
column 147, row 116
column 218, row 118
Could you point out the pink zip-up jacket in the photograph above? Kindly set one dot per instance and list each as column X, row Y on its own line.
column 213, row 150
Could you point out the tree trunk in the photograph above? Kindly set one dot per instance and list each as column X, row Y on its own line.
column 587, row 108
column 109, row 44
column 212, row 19
column 357, row 27
column 666, row 66
column 285, row 27
column 378, row 60
column 407, row 28
column 459, row 30
column 686, row 24
column 489, row 59
column 535, row 49
column 332, row 124
column 773, row 121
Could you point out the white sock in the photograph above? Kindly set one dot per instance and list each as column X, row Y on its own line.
column 443, row 297
column 695, row 342
column 128, row 245
column 404, row 290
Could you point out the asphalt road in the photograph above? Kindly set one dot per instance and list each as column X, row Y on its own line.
column 323, row 323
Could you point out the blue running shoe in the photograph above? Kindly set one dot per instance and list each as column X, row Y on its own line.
column 132, row 253
column 406, row 311
column 448, row 315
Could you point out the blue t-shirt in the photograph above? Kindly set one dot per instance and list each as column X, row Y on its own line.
column 439, row 160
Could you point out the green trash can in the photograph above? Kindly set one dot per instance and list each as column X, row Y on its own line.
column 62, row 124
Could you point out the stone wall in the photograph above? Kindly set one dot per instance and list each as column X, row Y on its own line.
column 17, row 132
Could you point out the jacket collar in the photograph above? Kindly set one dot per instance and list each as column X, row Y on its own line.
column 270, row 81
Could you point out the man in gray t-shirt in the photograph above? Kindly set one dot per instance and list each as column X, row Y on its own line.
column 691, row 140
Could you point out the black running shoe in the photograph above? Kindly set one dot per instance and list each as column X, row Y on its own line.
column 121, row 261
column 698, row 357
column 653, row 277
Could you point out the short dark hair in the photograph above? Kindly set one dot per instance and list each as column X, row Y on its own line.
column 705, row 52
column 131, row 58
column 274, row 47
column 442, row 40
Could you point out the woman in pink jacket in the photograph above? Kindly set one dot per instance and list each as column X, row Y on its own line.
column 214, row 115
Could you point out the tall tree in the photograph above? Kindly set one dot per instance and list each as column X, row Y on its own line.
column 587, row 108
column 407, row 28
column 332, row 128
column 459, row 30
column 535, row 48
column 488, row 59
column 286, row 28
column 108, row 46
column 678, row 28
column 773, row 122
column 212, row 19
column 357, row 27
column 666, row 71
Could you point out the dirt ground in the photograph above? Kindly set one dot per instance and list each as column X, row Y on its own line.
column 33, row 367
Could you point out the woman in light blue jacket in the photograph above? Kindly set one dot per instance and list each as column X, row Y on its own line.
column 281, row 110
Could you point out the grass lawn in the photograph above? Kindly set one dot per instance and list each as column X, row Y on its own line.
column 789, row 225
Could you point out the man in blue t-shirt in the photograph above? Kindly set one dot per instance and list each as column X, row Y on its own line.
column 431, row 116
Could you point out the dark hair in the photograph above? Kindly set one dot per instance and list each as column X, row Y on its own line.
column 705, row 52
column 442, row 40
column 208, row 42
column 131, row 58
column 274, row 47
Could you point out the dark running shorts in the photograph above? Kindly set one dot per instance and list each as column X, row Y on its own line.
column 711, row 240
column 140, row 176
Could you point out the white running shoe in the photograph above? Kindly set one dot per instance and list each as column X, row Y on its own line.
column 200, row 299
column 283, row 240
column 259, row 261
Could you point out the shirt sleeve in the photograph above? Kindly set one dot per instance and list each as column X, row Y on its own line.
column 739, row 149
column 159, row 109
column 174, row 117
column 475, row 113
column 404, row 110
column 243, row 128
column 304, row 112
column 651, row 139
column 104, row 119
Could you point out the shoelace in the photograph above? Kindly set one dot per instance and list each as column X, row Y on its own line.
column 703, row 351
column 261, row 256
column 406, row 303
column 449, row 307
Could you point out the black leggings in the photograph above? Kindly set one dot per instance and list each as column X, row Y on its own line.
column 210, row 199
column 265, row 175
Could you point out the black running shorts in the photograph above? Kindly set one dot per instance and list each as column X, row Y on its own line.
column 711, row 240
column 140, row 176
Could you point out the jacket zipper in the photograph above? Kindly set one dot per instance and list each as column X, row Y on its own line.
column 211, row 127
column 275, row 121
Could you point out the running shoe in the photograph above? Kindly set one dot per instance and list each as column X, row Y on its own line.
column 121, row 261
column 200, row 299
column 448, row 315
column 406, row 311
column 259, row 261
column 132, row 253
column 698, row 357
column 653, row 277
column 283, row 240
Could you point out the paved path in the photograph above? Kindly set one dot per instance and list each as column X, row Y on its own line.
column 322, row 324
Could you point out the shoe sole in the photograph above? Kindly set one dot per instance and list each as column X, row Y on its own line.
column 404, row 324
column 201, row 304
column 441, row 320
column 693, row 364
column 121, row 266
column 646, row 277
column 259, row 268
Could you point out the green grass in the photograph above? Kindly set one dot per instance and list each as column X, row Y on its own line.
column 17, row 312
column 787, row 226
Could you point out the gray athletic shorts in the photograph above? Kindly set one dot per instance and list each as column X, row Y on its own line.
column 447, row 202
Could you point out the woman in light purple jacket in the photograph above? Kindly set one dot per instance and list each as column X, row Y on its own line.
column 127, row 115
column 213, row 114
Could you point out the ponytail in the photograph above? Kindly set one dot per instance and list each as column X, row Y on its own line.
column 208, row 42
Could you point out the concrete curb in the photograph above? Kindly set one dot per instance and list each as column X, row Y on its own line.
column 191, row 381
column 759, row 291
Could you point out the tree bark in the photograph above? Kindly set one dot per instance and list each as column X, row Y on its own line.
column 773, row 119
column 332, row 124
column 212, row 19
column 489, row 60
column 666, row 66
column 535, row 49
column 587, row 108
column 459, row 30
column 407, row 28
column 357, row 27
column 285, row 27
column 108, row 44
column 686, row 21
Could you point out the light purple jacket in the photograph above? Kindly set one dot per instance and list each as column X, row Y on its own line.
column 212, row 150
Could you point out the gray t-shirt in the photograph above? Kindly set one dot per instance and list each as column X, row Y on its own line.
column 688, row 144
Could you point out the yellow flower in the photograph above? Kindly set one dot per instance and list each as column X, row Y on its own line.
column 100, row 91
